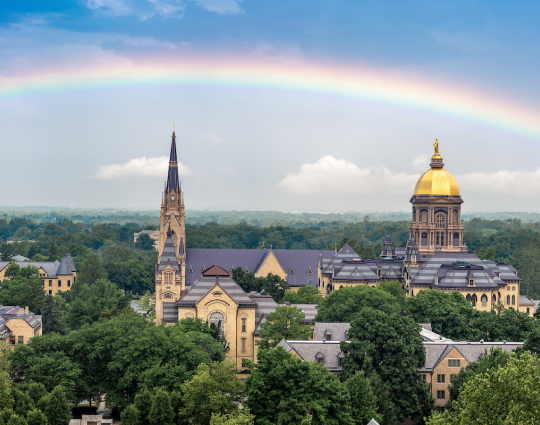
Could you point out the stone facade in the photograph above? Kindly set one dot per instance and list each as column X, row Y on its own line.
column 18, row 325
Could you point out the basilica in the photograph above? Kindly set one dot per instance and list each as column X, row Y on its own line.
column 198, row 282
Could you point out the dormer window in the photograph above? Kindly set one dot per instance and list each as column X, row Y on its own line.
column 190, row 269
column 436, row 280
column 309, row 271
column 413, row 258
column 168, row 278
column 379, row 272
column 471, row 281
column 291, row 271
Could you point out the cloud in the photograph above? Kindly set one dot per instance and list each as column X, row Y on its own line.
column 288, row 53
column 333, row 175
column 156, row 167
column 223, row 7
column 421, row 163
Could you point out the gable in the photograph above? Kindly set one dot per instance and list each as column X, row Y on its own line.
column 270, row 264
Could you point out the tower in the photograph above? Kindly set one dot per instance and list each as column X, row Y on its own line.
column 171, row 262
column 436, row 210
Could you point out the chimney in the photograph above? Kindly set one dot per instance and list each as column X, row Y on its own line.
column 26, row 310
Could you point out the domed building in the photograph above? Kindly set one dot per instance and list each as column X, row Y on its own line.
column 436, row 210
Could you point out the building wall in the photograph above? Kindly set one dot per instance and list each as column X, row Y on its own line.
column 271, row 265
column 154, row 236
column 60, row 283
column 20, row 328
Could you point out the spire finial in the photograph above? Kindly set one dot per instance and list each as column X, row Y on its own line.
column 436, row 145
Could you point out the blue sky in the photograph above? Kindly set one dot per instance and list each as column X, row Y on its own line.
column 239, row 146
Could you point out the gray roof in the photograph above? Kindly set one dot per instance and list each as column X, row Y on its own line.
column 71, row 263
column 346, row 253
column 49, row 267
column 300, row 261
column 337, row 330
column 453, row 270
column 170, row 312
column 168, row 256
column 328, row 352
column 310, row 310
column 15, row 312
column 64, row 268
column 523, row 300
column 536, row 303
column 265, row 305
column 471, row 351
column 200, row 288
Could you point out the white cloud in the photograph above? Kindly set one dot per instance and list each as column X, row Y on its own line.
column 139, row 167
column 421, row 163
column 223, row 7
column 333, row 175
column 288, row 53
column 116, row 7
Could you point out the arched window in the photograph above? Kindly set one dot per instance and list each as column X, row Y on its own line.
column 513, row 288
column 341, row 287
column 412, row 292
column 507, row 288
column 424, row 217
column 508, row 300
column 513, row 300
column 440, row 220
column 484, row 300
column 455, row 217
column 468, row 297
column 473, row 300
column 456, row 239
column 495, row 298
column 217, row 319
column 499, row 295
column 424, row 239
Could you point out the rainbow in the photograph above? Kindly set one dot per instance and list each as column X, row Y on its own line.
column 370, row 84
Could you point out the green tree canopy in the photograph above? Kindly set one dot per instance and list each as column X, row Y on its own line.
column 285, row 322
column 52, row 317
column 532, row 344
column 272, row 284
column 243, row 417
column 91, row 270
column 215, row 389
column 283, row 389
column 130, row 416
column 305, row 295
column 502, row 324
column 23, row 287
column 36, row 417
column 161, row 412
column 363, row 401
column 341, row 305
column 506, row 395
column 57, row 410
column 450, row 314
column 144, row 242
column 391, row 347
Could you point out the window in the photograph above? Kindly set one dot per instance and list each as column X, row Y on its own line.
column 168, row 278
column 243, row 345
column 50, row 292
column 471, row 282
column 50, row 282
column 218, row 319
column 320, row 360
column 454, row 362
column 508, row 300
column 513, row 300
column 494, row 298
column 474, row 300
column 379, row 272
column 12, row 339
column 441, row 395
column 424, row 217
column 507, row 288
column 243, row 324
column 20, row 340
column 43, row 283
column 456, row 239
column 484, row 300
column 413, row 258
column 441, row 379
column 190, row 270
column 424, row 239
column 59, row 283
column 513, row 288
column 440, row 221
column 309, row 271
column 290, row 272
column 69, row 283
column 528, row 310
column 423, row 377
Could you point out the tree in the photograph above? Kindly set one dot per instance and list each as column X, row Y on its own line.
column 285, row 322
column 394, row 288
column 52, row 317
column 450, row 314
column 283, row 389
column 532, row 344
column 161, row 412
column 274, row 285
column 16, row 420
column 36, row 390
column 495, row 358
column 144, row 242
column 130, row 416
column 391, row 347
column 528, row 265
column 57, row 410
column 143, row 403
column 91, row 270
column 343, row 304
column 23, row 287
column 215, row 389
column 505, row 395
column 363, row 401
column 243, row 417
column 36, row 417
column 23, row 402
column 385, row 407
column 305, row 295
column 502, row 324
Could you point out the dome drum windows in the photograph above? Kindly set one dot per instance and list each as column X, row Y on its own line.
column 440, row 220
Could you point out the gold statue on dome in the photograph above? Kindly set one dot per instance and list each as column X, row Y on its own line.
column 436, row 144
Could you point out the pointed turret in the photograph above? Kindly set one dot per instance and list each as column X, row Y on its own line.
column 388, row 249
column 173, row 183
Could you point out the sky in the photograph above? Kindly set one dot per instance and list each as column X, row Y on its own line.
column 285, row 105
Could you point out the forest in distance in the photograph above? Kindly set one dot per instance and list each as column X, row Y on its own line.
column 129, row 265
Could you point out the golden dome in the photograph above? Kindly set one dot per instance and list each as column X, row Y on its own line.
column 436, row 181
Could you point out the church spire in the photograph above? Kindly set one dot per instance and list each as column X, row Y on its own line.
column 173, row 182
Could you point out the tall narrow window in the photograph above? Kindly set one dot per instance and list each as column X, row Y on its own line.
column 243, row 345
column 440, row 221
column 508, row 300
column 20, row 340
column 513, row 300
column 484, row 300
column 59, row 283
column 441, row 379
column 218, row 319
column 243, row 324
column 69, row 283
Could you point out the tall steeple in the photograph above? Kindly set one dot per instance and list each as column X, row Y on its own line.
column 173, row 182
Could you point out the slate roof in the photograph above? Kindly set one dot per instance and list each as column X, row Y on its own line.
column 199, row 289
column 71, row 263
column 308, row 350
column 49, row 267
column 173, row 182
column 536, row 303
column 299, row 260
column 525, row 301
column 64, row 268
column 454, row 270
column 169, row 312
column 265, row 305
column 471, row 351
column 337, row 330
column 12, row 312
column 168, row 256
column 346, row 253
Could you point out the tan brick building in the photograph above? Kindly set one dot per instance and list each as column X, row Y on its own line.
column 18, row 325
